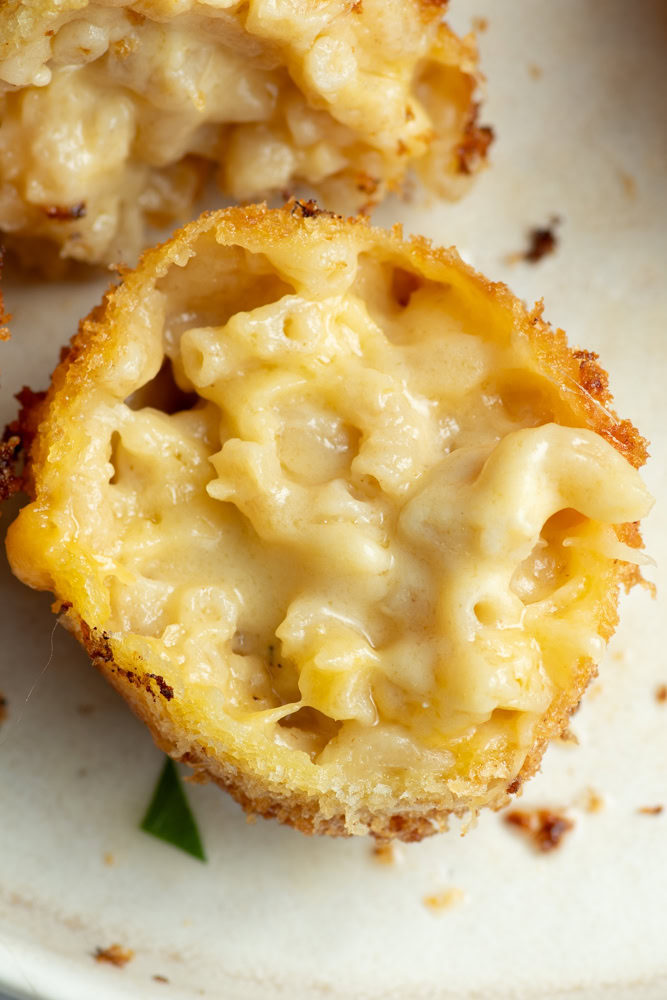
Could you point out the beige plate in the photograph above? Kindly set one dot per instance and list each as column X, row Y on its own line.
column 577, row 90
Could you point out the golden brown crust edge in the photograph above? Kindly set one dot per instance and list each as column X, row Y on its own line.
column 147, row 695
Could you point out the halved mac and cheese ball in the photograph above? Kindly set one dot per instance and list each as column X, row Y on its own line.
column 341, row 520
column 109, row 109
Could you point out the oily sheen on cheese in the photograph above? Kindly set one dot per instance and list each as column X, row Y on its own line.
column 342, row 521
column 111, row 110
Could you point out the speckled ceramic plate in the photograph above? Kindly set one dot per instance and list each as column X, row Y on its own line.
column 577, row 92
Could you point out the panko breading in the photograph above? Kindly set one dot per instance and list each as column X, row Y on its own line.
column 110, row 110
column 342, row 521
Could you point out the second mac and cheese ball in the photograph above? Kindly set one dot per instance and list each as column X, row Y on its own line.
column 342, row 521
column 110, row 111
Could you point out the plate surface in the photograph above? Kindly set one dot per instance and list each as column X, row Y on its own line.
column 577, row 92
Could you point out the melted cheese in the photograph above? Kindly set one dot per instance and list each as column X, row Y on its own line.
column 355, row 520
column 103, row 106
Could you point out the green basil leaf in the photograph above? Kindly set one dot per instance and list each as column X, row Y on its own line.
column 169, row 816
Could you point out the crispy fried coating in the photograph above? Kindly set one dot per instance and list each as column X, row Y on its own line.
column 340, row 519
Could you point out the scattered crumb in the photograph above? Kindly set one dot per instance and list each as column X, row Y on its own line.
column 115, row 954
column 591, row 801
column 444, row 900
column 474, row 145
column 618, row 655
column 109, row 859
column 628, row 183
column 569, row 736
column 160, row 979
column 545, row 827
column 384, row 854
column 594, row 691
column 541, row 242
column 660, row 694
column 85, row 709
column 251, row 819
column 480, row 24
column 82, row 772
column 650, row 810
column 534, row 71
column 3, row 708
column 387, row 853
column 366, row 184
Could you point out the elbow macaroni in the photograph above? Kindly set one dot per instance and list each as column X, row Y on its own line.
column 361, row 530
column 109, row 111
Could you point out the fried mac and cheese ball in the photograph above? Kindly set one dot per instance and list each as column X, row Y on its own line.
column 341, row 520
column 110, row 109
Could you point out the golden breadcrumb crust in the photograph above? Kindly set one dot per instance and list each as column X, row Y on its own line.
column 580, row 380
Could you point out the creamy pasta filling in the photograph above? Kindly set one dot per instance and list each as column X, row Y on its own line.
column 354, row 519
column 110, row 111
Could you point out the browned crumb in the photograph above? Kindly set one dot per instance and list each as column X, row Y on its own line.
column 109, row 859
column 386, row 853
column 166, row 690
column 474, row 144
column 160, row 979
column 545, row 827
column 541, row 243
column 650, row 810
column 10, row 448
column 440, row 901
column 115, row 954
column 568, row 736
column 628, row 183
column 661, row 693
column 3, row 708
column 367, row 184
column 305, row 209
column 480, row 24
column 18, row 436
column 535, row 71
column 65, row 213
